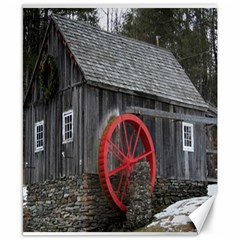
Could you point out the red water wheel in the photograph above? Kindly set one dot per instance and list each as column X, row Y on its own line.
column 125, row 141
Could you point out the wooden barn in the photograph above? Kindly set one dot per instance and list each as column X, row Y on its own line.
column 85, row 78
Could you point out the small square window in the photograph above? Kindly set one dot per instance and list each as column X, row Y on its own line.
column 67, row 126
column 39, row 136
column 188, row 140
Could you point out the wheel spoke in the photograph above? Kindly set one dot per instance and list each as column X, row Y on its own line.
column 117, row 169
column 120, row 183
column 136, row 141
column 117, row 156
column 130, row 142
column 116, row 148
column 136, row 159
column 120, row 138
column 125, row 133
column 125, row 186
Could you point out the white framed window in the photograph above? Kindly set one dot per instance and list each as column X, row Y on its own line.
column 188, row 139
column 67, row 127
column 39, row 136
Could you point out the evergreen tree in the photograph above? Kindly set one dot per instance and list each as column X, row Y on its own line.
column 35, row 22
column 191, row 34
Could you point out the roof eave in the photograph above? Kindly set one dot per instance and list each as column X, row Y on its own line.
column 67, row 45
column 202, row 107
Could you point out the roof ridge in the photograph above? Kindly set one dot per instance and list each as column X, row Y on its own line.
column 111, row 33
column 127, row 67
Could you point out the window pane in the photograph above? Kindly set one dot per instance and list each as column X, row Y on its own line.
column 39, row 135
column 67, row 125
column 187, row 132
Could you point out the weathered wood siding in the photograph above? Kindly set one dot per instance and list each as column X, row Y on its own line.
column 172, row 161
column 49, row 163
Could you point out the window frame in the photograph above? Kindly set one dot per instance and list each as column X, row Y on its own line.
column 185, row 147
column 64, row 115
column 36, row 125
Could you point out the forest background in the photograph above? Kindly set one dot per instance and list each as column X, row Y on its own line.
column 189, row 33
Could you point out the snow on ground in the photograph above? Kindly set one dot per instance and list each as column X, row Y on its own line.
column 24, row 193
column 212, row 189
column 177, row 213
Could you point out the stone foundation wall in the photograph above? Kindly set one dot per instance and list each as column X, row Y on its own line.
column 78, row 203
column 69, row 205
column 169, row 191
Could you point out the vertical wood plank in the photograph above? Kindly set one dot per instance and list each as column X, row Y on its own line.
column 159, row 142
column 75, row 131
column 172, row 136
column 186, row 161
column 58, row 152
column 85, row 127
column 179, row 153
column 81, row 131
column 93, row 139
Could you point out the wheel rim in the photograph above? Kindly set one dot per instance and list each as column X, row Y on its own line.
column 125, row 141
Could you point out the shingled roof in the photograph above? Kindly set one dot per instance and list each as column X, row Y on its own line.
column 125, row 63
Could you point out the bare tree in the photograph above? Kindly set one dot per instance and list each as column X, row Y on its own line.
column 114, row 18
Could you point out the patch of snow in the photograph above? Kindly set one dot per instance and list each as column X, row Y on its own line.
column 177, row 213
column 212, row 189
column 182, row 207
column 24, row 193
column 153, row 224
column 177, row 220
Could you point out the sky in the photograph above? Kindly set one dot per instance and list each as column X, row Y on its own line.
column 103, row 16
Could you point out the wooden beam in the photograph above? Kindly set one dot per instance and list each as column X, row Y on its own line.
column 212, row 180
column 211, row 151
column 171, row 115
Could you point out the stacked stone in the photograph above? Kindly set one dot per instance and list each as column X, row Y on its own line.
column 78, row 203
column 51, row 204
column 71, row 204
column 169, row 191
column 98, row 212
column 139, row 209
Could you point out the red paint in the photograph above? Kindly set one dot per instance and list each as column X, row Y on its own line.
column 121, row 144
